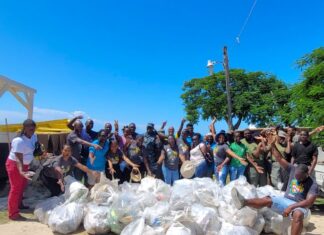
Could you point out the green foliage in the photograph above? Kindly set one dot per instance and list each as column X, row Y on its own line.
column 308, row 96
column 257, row 97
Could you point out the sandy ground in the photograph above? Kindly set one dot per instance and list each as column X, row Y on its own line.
column 32, row 227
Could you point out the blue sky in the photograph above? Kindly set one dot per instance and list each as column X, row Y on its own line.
column 128, row 60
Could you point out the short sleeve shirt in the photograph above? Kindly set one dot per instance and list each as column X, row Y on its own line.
column 25, row 146
column 183, row 148
column 66, row 166
column 240, row 150
column 303, row 153
column 298, row 191
column 100, row 157
column 220, row 153
column 251, row 147
column 135, row 153
column 171, row 160
column 76, row 147
column 115, row 158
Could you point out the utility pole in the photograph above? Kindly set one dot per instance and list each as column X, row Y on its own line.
column 228, row 86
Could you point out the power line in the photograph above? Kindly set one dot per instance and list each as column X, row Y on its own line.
column 246, row 21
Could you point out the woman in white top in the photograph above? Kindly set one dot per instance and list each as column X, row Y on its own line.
column 20, row 156
column 199, row 155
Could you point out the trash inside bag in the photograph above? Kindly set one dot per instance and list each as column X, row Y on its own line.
column 95, row 220
column 104, row 190
column 245, row 217
column 182, row 195
column 135, row 228
column 273, row 221
column 179, row 229
column 74, row 190
column 66, row 218
column 160, row 189
column 154, row 215
column 44, row 208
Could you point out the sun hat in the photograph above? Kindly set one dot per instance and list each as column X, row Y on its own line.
column 187, row 169
column 282, row 134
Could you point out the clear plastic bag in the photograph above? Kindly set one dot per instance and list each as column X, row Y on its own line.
column 229, row 229
column 273, row 221
column 245, row 217
column 95, row 220
column 179, row 229
column 160, row 189
column 74, row 190
column 134, row 228
column 43, row 209
column 259, row 224
column 66, row 218
column 268, row 190
column 182, row 195
column 102, row 192
column 204, row 217
column 154, row 215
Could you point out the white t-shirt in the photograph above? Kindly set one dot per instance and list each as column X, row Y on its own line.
column 25, row 146
column 196, row 156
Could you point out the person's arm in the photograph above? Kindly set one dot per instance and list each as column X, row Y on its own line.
column 149, row 172
column 220, row 166
column 181, row 127
column 250, row 159
column 182, row 157
column 71, row 122
column 20, row 163
column 129, row 162
column 212, row 128
column 233, row 155
column 307, row 203
column 316, row 130
column 163, row 125
column 84, row 168
column 92, row 157
column 162, row 157
column 288, row 148
column 313, row 164
column 86, row 143
column 279, row 158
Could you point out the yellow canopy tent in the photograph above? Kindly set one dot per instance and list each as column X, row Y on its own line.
column 46, row 127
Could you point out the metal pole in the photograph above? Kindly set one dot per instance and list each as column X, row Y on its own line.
column 229, row 100
column 8, row 135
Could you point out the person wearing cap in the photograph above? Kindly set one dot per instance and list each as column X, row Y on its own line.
column 17, row 165
column 258, row 153
column 300, row 195
column 305, row 152
column 152, row 151
column 277, row 173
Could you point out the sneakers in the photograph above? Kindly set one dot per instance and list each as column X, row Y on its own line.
column 238, row 199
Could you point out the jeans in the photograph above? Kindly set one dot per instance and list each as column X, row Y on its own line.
column 170, row 175
column 222, row 175
column 236, row 172
column 279, row 204
column 204, row 169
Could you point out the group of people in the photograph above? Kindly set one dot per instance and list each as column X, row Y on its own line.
column 267, row 157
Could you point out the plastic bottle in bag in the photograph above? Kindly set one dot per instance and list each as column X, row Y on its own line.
column 43, row 209
column 95, row 220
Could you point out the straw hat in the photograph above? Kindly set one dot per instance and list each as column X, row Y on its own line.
column 187, row 169
column 136, row 175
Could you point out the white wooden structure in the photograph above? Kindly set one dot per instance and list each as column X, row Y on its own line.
column 24, row 94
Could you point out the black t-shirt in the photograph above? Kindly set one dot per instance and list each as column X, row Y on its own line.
column 303, row 153
column 298, row 191
column 135, row 153
column 115, row 158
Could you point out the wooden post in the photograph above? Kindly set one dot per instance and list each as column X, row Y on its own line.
column 228, row 93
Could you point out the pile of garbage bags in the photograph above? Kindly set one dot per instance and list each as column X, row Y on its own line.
column 190, row 207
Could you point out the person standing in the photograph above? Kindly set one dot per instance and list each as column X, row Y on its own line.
column 305, row 152
column 97, row 158
column 152, row 151
column 171, row 161
column 76, row 142
column 258, row 153
column 17, row 164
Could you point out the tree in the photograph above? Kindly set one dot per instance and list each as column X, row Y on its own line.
column 307, row 100
column 257, row 97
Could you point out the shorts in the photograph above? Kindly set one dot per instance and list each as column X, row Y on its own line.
column 279, row 204
column 92, row 180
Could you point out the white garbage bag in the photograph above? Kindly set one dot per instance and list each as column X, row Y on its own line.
column 66, row 218
column 259, row 224
column 179, row 229
column 134, row 228
column 182, row 195
column 102, row 192
column 74, row 190
column 204, row 217
column 154, row 215
column 229, row 229
column 268, row 190
column 273, row 221
column 148, row 230
column 43, row 209
column 160, row 189
column 245, row 217
column 95, row 220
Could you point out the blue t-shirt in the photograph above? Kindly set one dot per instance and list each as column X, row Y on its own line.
column 100, row 157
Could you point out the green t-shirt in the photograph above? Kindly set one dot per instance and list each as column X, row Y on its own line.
column 240, row 150
column 251, row 147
